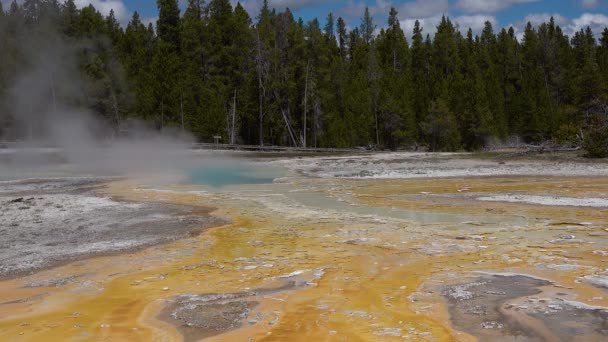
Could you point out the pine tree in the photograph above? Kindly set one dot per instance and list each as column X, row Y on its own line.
column 488, row 62
column 4, row 118
column 136, row 54
column 367, row 27
column 440, row 127
column 243, row 73
column 357, row 99
column 288, row 82
column 533, row 118
column 397, row 117
column 602, row 57
column 264, row 44
column 420, row 74
column 510, row 76
column 342, row 38
column 373, row 72
column 192, row 69
column 32, row 10
column 70, row 18
column 329, row 27
column 588, row 83
column 166, row 64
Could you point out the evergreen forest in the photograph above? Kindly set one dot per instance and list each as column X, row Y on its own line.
column 273, row 79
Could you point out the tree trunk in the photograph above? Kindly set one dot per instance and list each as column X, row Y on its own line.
column 305, row 104
column 181, row 108
column 286, row 119
column 232, row 137
column 260, row 88
column 376, row 119
column 394, row 60
column 116, row 115
column 289, row 130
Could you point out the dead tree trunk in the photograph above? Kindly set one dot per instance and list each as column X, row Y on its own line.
column 305, row 104
column 285, row 117
column 285, row 113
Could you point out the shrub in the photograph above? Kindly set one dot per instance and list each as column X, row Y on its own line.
column 567, row 134
column 596, row 142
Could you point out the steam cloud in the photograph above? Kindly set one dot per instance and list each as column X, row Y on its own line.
column 48, row 108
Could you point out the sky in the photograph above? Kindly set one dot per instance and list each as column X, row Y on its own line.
column 571, row 15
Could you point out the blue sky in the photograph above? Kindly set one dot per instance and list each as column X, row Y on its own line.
column 570, row 14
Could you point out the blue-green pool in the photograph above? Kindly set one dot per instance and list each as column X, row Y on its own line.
column 222, row 174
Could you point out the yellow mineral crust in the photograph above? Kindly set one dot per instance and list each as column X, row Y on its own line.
column 361, row 278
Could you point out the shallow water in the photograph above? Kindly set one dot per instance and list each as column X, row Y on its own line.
column 320, row 200
column 373, row 262
column 225, row 173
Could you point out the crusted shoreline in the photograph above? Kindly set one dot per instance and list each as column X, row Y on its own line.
column 50, row 223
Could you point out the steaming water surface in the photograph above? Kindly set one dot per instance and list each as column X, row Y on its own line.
column 320, row 200
column 221, row 174
column 379, row 258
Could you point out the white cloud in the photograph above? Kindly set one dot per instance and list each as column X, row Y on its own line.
column 539, row 18
column 462, row 23
column 423, row 8
column 488, row 6
column 590, row 3
column 597, row 22
column 474, row 22
column 429, row 26
column 121, row 12
column 149, row 20
column 354, row 9
column 253, row 6
column 294, row 4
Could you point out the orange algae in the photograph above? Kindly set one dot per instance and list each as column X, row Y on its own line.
column 378, row 277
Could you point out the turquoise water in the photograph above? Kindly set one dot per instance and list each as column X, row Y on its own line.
column 319, row 200
column 222, row 174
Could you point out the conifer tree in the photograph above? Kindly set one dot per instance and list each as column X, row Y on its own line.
column 279, row 80
column 420, row 74
column 166, row 64
column 397, row 117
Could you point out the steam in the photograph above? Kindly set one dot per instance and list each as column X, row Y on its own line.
column 48, row 108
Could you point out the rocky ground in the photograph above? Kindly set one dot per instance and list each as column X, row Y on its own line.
column 517, row 307
column 50, row 222
column 405, row 165
column 380, row 247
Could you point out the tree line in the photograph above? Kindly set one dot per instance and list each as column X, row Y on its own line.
column 274, row 79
